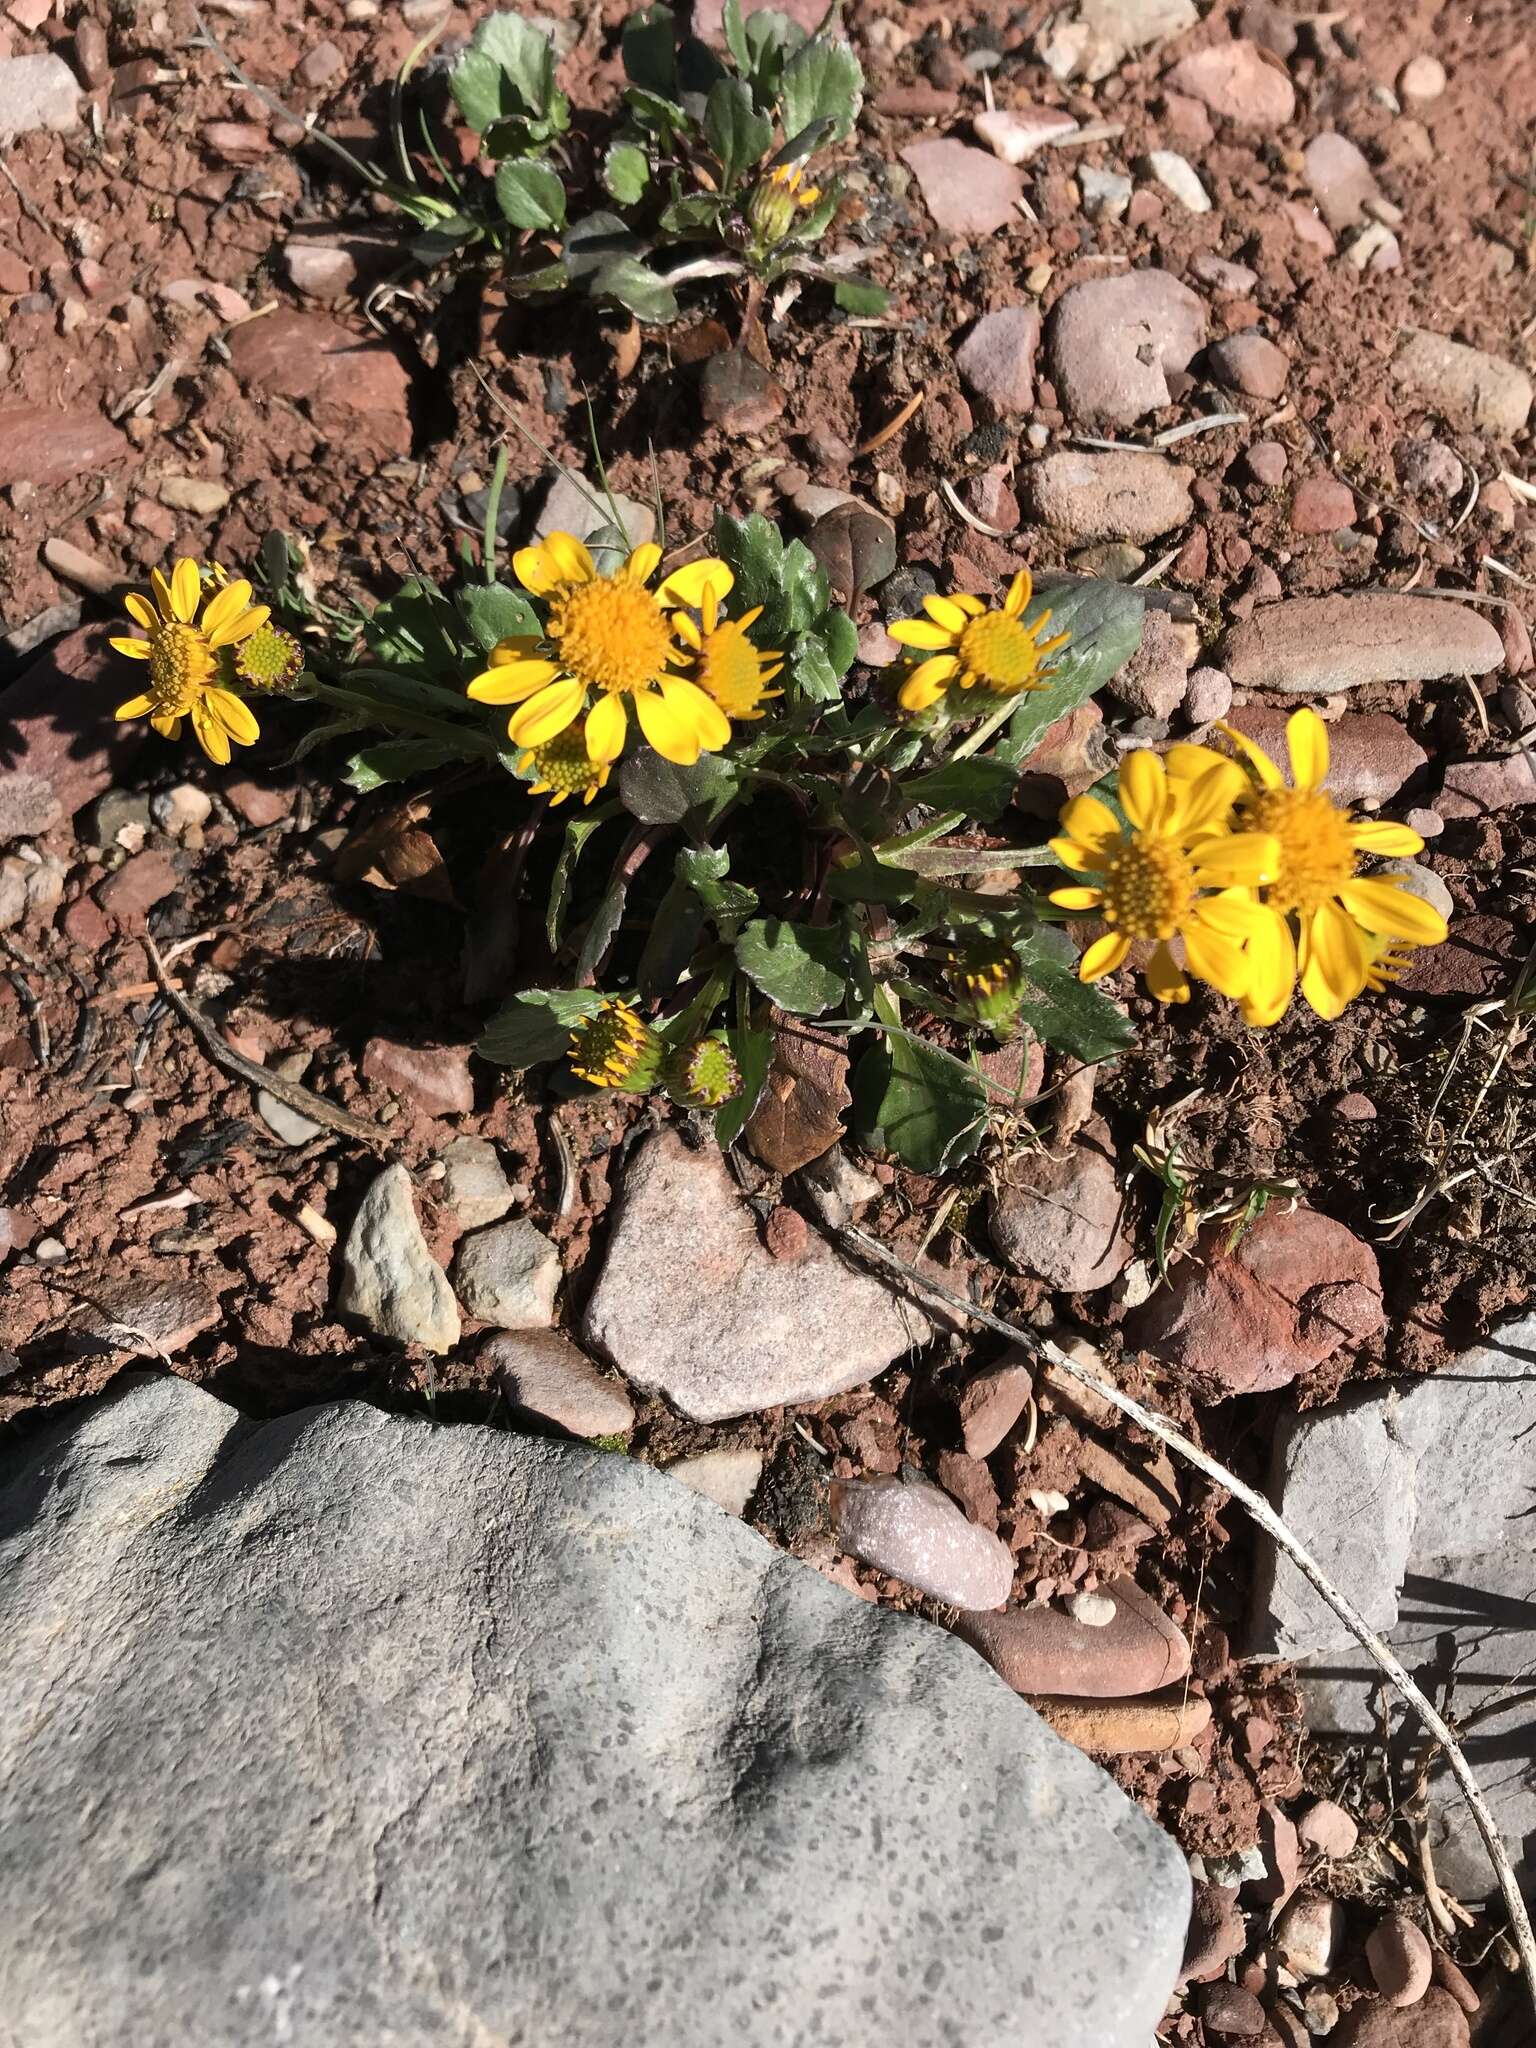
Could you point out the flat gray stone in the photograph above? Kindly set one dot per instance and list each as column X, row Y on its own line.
column 346, row 1728
column 579, row 506
column 1312, row 646
column 474, row 1186
column 389, row 1279
column 37, row 92
column 1464, row 382
column 508, row 1276
column 1416, row 1501
column 1111, row 340
column 690, row 1303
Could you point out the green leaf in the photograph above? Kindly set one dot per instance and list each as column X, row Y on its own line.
column 768, row 39
column 800, row 967
column 811, row 672
column 536, row 1025
column 840, row 636
column 395, row 760
column 530, row 194
column 411, row 629
column 734, row 29
column 492, row 612
column 1062, row 1010
column 753, row 1052
column 675, row 931
column 916, row 1100
column 626, row 172
column 508, row 70
column 755, row 553
column 638, row 290
column 604, row 922
column 577, row 832
column 729, row 903
column 658, row 116
column 1104, row 620
column 857, row 296
column 822, row 81
column 735, row 131
column 803, row 586
column 980, row 787
column 659, row 792
column 596, row 239
column 695, row 213
column 649, row 46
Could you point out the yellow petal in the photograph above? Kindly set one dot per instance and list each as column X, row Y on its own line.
column 1165, row 978
column 210, row 734
column 711, row 723
column 135, row 707
column 1143, row 789
column 687, row 627
column 1103, row 957
column 1335, row 958
column 241, row 627
column 225, row 606
column 973, row 607
column 1206, row 799
column 1078, row 858
column 924, row 685
column 641, row 566
column 1271, row 971
column 686, row 586
column 234, row 714
column 186, row 590
column 136, row 650
column 946, row 613
column 1307, row 737
column 1092, row 823
column 1186, row 762
column 1216, row 959
column 141, row 611
column 511, row 682
column 1245, row 859
column 920, row 633
column 537, row 570
column 1077, row 898
column 570, row 557
column 1268, row 773
column 1234, row 914
column 1377, row 835
column 607, row 724
column 668, row 727
column 551, row 711
column 164, row 609
column 1392, row 912
column 1020, row 590
column 167, row 724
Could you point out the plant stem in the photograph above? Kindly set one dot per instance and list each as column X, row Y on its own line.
column 493, row 513
column 463, row 737
column 985, row 730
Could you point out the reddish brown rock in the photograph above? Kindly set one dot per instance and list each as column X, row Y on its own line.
column 44, row 446
column 305, row 356
column 1322, row 504
column 1401, row 1959
column 1326, row 1828
column 1044, row 1650
column 1473, row 788
column 149, row 1315
column 968, row 1481
column 967, row 191
column 990, row 1404
column 786, row 1233
column 997, row 358
column 1061, row 1219
column 435, row 1078
column 1371, row 754
column 1437, row 2021
column 1478, row 959
column 1232, row 2013
column 139, row 884
column 257, row 802
column 1217, row 1932
column 1129, row 1727
column 1237, row 81
column 1296, row 1288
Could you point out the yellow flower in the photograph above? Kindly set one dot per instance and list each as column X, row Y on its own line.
column 605, row 638
column 776, row 199
column 616, row 1048
column 1323, row 923
column 725, row 663
column 1177, row 872
column 183, row 655
column 563, row 767
column 976, row 649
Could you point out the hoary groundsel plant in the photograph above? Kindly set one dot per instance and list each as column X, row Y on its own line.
column 745, row 832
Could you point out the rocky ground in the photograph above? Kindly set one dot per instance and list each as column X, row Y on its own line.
column 1239, row 306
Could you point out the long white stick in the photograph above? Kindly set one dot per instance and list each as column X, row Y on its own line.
column 1261, row 1511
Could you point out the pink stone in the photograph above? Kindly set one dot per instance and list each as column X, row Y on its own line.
column 967, row 191
column 1238, row 83
column 138, row 885
column 1043, row 1650
column 46, row 446
column 436, row 1079
column 990, row 1404
column 997, row 358
column 1322, row 504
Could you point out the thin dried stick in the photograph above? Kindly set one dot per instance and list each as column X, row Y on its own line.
column 294, row 1093
column 892, row 427
column 1262, row 1513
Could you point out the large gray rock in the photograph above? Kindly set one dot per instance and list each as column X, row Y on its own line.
column 1416, row 1503
column 691, row 1303
column 346, row 1728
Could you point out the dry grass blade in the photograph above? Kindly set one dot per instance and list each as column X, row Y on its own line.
column 298, row 1097
column 1264, row 1515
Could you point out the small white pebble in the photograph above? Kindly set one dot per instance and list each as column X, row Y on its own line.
column 1049, row 1503
column 1093, row 1610
column 48, row 1251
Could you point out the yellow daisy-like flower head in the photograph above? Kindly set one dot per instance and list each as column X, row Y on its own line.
column 606, row 639
column 724, row 662
column 183, row 652
column 1324, row 924
column 616, row 1048
column 970, row 647
column 1176, row 871
column 562, row 767
column 776, row 200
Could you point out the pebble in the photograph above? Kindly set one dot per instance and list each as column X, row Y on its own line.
column 1217, row 1931
column 1113, row 494
column 1115, row 559
column 1207, row 695
column 508, row 1275
column 1484, row 389
column 258, row 803
column 1233, row 2013
column 542, row 1373
column 434, row 1079
column 1422, row 882
column 181, row 809
column 967, row 191
column 198, row 494
column 991, row 497
column 1127, row 1727
column 738, row 395
column 1133, row 1648
column 1453, row 1978
column 1222, row 275
column 28, row 806
column 91, row 52
column 474, row 1186
column 1428, row 824
column 1327, row 1828
column 290, row 1126
column 575, row 506
column 1176, row 174
column 1061, row 1219
column 320, row 65
column 1266, row 462
column 390, row 1280
column 1339, row 178
column 1313, row 646
column 911, row 1530
column 1310, row 1933
column 1113, row 341
column 139, row 884
column 835, row 1187
column 1106, row 194
column 991, row 1403
column 1401, row 1959
column 1187, row 119
column 1249, row 363
column 1322, row 504
column 48, row 447
column 321, row 270
column 1421, row 80
column 37, row 92
column 146, row 1314
column 1155, row 678
column 997, row 358
column 728, row 1478
column 1016, row 133
column 1375, row 248
column 1238, row 83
